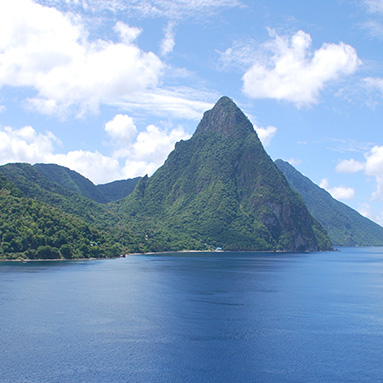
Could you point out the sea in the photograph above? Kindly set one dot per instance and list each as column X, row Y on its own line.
column 195, row 317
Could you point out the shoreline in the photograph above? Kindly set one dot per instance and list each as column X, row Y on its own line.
column 163, row 252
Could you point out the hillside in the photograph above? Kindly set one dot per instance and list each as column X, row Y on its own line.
column 34, row 185
column 345, row 226
column 113, row 191
column 221, row 189
column 75, row 182
column 71, row 180
column 31, row 229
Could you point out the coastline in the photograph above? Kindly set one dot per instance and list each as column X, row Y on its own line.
column 159, row 253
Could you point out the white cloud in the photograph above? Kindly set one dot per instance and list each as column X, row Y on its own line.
column 121, row 129
column 349, row 166
column 374, row 161
column 92, row 165
column 149, row 150
column 265, row 134
column 135, row 155
column 374, row 167
column 25, row 145
column 180, row 102
column 373, row 6
column 167, row 44
column 50, row 52
column 294, row 73
column 338, row 192
column 127, row 34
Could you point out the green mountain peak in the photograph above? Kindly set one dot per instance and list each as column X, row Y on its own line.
column 226, row 119
column 220, row 188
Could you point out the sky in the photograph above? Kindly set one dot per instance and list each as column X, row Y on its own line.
column 106, row 87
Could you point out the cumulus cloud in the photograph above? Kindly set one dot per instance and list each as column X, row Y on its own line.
column 50, row 52
column 372, row 166
column 292, row 72
column 136, row 154
column 266, row 134
column 349, row 166
column 93, row 165
column 121, row 129
column 143, row 152
column 338, row 192
column 25, row 145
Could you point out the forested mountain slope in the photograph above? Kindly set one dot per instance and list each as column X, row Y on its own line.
column 220, row 188
column 345, row 226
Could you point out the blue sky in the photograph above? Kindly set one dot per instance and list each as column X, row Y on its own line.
column 106, row 88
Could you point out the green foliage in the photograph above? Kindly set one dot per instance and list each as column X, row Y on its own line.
column 32, row 229
column 70, row 180
column 344, row 226
column 221, row 189
column 36, row 186
column 218, row 189
column 117, row 190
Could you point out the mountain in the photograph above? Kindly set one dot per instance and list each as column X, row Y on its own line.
column 221, row 189
column 35, row 185
column 39, row 216
column 345, row 226
column 75, row 182
column 71, row 180
column 32, row 229
column 116, row 190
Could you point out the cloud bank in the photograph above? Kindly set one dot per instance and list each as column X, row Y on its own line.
column 291, row 71
column 50, row 52
column 134, row 154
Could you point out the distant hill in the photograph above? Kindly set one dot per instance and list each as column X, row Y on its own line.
column 116, row 190
column 71, row 180
column 35, row 185
column 31, row 229
column 221, row 189
column 345, row 226
column 75, row 182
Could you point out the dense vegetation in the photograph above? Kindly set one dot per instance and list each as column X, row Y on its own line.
column 345, row 226
column 76, row 183
column 221, row 189
column 218, row 189
column 116, row 190
column 41, row 227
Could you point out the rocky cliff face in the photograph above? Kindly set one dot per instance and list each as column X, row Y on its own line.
column 220, row 188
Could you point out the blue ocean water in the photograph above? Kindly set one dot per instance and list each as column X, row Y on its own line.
column 213, row 317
